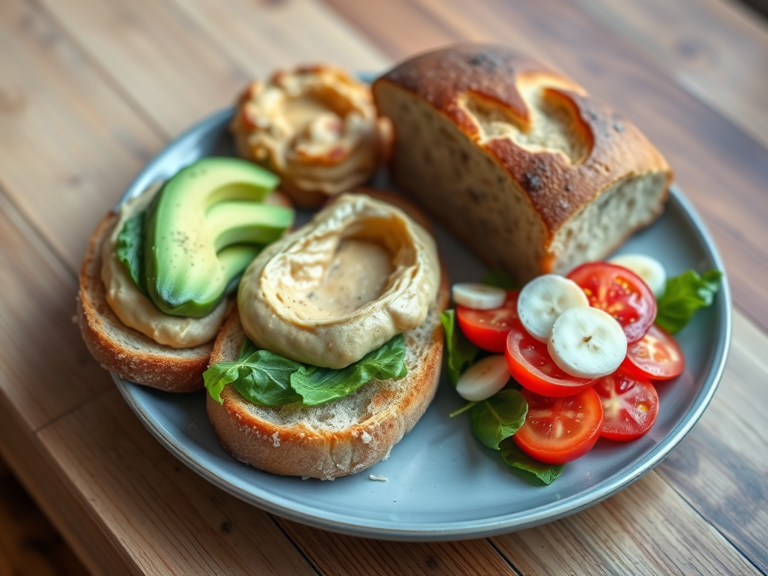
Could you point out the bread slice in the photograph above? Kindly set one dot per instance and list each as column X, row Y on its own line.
column 342, row 437
column 117, row 347
column 517, row 160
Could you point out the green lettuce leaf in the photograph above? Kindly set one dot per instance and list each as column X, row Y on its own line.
column 267, row 379
column 459, row 352
column 516, row 458
column 318, row 385
column 260, row 376
column 498, row 417
column 130, row 250
column 683, row 296
column 499, row 279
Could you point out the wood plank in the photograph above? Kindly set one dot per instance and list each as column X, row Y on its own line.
column 721, row 467
column 721, row 169
column 265, row 37
column 645, row 529
column 335, row 554
column 21, row 449
column 69, row 144
column 163, row 516
column 712, row 47
column 28, row 542
column 45, row 368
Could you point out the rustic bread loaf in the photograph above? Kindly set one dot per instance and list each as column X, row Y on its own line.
column 517, row 160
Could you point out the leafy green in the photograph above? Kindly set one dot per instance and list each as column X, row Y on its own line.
column 498, row 417
column 683, row 296
column 459, row 352
column 267, row 379
column 499, row 279
column 260, row 376
column 516, row 458
column 130, row 250
column 320, row 385
column 461, row 410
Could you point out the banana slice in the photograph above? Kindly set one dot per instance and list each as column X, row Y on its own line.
column 543, row 299
column 484, row 378
column 649, row 269
column 478, row 296
column 587, row 343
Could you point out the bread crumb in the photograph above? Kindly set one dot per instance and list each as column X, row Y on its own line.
column 365, row 437
column 378, row 478
column 306, row 477
column 275, row 439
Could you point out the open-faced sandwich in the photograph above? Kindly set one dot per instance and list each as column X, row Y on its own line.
column 155, row 280
column 335, row 349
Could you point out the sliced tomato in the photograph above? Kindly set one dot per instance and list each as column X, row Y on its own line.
column 621, row 293
column 630, row 405
column 488, row 329
column 531, row 365
column 656, row 356
column 558, row 430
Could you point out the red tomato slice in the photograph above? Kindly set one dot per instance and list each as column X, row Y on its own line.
column 630, row 405
column 488, row 329
column 621, row 293
column 558, row 430
column 656, row 356
column 531, row 365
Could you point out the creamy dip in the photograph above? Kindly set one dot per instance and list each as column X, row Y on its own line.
column 139, row 312
column 315, row 127
column 361, row 272
column 357, row 274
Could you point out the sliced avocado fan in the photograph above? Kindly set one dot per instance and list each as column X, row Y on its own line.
column 202, row 230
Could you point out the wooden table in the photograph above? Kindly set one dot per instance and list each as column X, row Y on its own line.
column 90, row 90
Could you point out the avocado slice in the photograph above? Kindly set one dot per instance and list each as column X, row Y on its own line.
column 234, row 260
column 200, row 211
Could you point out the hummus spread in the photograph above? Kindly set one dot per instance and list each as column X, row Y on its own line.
column 138, row 311
column 315, row 127
column 343, row 285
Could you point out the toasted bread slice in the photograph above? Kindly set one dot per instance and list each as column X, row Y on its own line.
column 342, row 437
column 117, row 347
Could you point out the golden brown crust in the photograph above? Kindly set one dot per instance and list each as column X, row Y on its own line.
column 300, row 451
column 124, row 350
column 557, row 189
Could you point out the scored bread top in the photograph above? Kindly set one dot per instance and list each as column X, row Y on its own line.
column 560, row 145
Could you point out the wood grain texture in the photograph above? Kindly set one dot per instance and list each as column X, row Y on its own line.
column 721, row 468
column 263, row 37
column 45, row 369
column 166, row 518
column 21, row 449
column 719, row 167
column 69, row 144
column 645, row 529
column 337, row 555
column 715, row 48
column 28, row 543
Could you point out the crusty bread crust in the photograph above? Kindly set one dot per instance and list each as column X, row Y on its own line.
column 124, row 350
column 539, row 149
column 301, row 450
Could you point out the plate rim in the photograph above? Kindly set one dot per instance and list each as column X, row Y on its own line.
column 388, row 530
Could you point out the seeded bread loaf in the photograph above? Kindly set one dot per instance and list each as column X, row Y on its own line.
column 517, row 159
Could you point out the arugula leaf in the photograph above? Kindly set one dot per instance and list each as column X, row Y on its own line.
column 683, row 296
column 318, row 385
column 260, row 376
column 130, row 250
column 516, row 458
column 459, row 352
column 267, row 379
column 498, row 417
column 499, row 279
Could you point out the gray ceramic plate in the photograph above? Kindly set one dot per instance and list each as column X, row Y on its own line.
column 443, row 484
